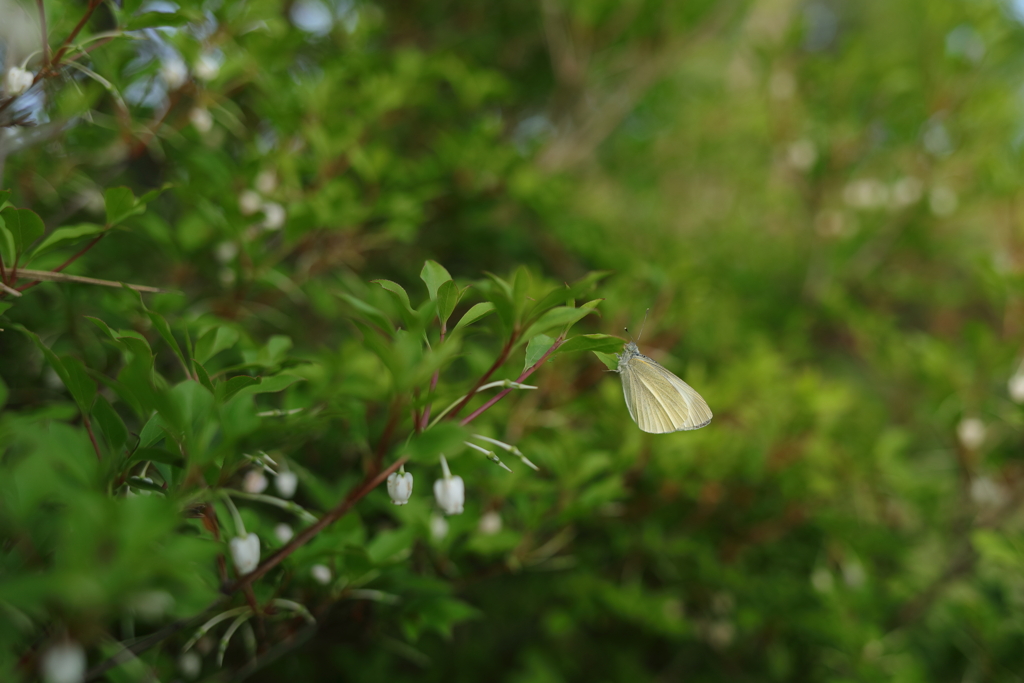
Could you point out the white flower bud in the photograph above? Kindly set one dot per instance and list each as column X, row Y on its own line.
column 17, row 81
column 245, row 552
column 450, row 491
column 207, row 68
column 801, row 154
column 490, row 523
column 438, row 527
column 286, row 482
column 201, row 118
column 190, row 664
column 1015, row 387
column 400, row 487
column 971, row 432
column 985, row 492
column 249, row 202
column 254, row 482
column 266, row 181
column 174, row 72
column 63, row 663
column 321, row 573
column 273, row 215
column 283, row 532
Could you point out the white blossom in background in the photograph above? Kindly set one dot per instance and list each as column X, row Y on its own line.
column 17, row 81
column 971, row 432
column 283, row 532
column 152, row 605
column 254, row 482
column 249, row 202
column 266, row 181
column 906, row 191
column 190, row 664
column 438, row 527
column 801, row 154
column 490, row 523
column 400, row 487
column 853, row 573
column 450, row 491
column 245, row 552
column 321, row 573
column 822, row 581
column 286, row 482
column 201, row 119
column 985, row 492
column 1015, row 387
column 174, row 72
column 63, row 663
column 866, row 194
column 225, row 252
column 207, row 68
column 273, row 216
column 942, row 201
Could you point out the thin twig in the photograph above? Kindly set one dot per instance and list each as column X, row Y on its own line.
column 50, row 276
column 307, row 534
column 526, row 373
column 502, row 357
column 92, row 437
column 93, row 4
column 10, row 290
column 46, row 38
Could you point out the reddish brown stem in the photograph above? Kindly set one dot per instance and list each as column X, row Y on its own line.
column 92, row 437
column 93, row 4
column 425, row 420
column 46, row 39
column 526, row 373
column 307, row 534
column 502, row 357
column 66, row 263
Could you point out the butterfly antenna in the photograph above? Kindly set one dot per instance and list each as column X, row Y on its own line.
column 626, row 330
column 642, row 324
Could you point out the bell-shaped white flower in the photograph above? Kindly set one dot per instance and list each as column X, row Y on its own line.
column 286, row 483
column 321, row 573
column 254, row 481
column 63, row 663
column 17, row 81
column 245, row 552
column 450, row 491
column 971, row 432
column 283, row 532
column 400, row 487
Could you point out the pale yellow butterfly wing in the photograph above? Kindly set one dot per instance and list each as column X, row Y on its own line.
column 658, row 401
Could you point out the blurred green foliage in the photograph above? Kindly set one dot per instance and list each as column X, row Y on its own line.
column 355, row 214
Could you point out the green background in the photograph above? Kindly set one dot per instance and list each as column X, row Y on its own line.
column 818, row 202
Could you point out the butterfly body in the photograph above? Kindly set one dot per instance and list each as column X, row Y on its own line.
column 658, row 401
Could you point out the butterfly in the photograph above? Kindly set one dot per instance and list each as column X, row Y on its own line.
column 658, row 401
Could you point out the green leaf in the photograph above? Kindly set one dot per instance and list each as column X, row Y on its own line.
column 7, row 250
column 397, row 290
column 217, row 339
column 434, row 275
column 537, row 347
column 3, row 393
column 110, row 423
column 563, row 295
column 371, row 313
column 158, row 455
column 448, row 296
column 500, row 294
column 609, row 360
column 390, row 544
column 163, row 329
column 81, row 386
column 556, row 318
column 155, row 19
column 445, row 437
column 473, row 314
column 140, row 483
column 203, row 376
column 604, row 343
column 50, row 356
column 225, row 390
column 152, row 431
column 25, row 227
column 520, row 290
column 4, row 305
column 121, row 204
column 66, row 235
